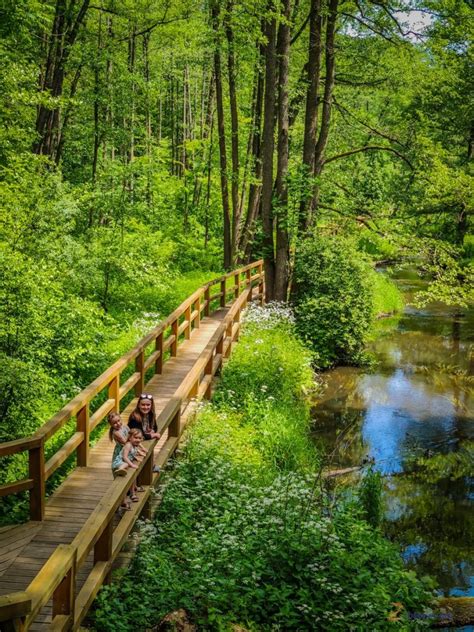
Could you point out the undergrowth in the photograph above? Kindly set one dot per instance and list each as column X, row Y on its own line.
column 246, row 533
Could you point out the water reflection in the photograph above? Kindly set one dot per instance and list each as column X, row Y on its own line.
column 414, row 417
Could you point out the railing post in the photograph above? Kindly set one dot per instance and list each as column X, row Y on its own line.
column 140, row 368
column 236, row 285
column 197, row 306
column 208, row 371
column 174, row 429
column 223, row 294
column 220, row 352
column 146, row 475
column 237, row 320
column 249, row 282
column 82, row 425
column 36, row 472
column 159, row 359
column 103, row 546
column 228, row 333
column 207, row 299
column 174, row 332
column 114, row 392
column 194, row 390
column 260, row 283
column 64, row 595
column 14, row 610
column 187, row 316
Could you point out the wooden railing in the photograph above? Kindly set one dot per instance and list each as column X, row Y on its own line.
column 58, row 576
column 149, row 354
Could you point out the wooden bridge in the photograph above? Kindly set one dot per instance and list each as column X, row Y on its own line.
column 52, row 567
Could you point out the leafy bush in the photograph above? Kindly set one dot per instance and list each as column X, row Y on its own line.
column 230, row 548
column 269, row 363
column 333, row 299
column 387, row 298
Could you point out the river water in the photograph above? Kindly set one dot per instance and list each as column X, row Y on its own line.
column 413, row 416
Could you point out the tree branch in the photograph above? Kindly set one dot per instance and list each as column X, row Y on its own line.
column 368, row 148
column 160, row 22
column 371, row 28
column 375, row 82
column 106, row 10
column 301, row 29
column 360, row 219
column 364, row 124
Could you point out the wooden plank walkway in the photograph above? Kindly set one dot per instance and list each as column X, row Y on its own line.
column 25, row 548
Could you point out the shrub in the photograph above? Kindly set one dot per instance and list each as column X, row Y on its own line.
column 387, row 298
column 370, row 496
column 333, row 299
column 228, row 547
column 269, row 363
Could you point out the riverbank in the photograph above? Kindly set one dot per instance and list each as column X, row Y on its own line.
column 412, row 415
column 247, row 532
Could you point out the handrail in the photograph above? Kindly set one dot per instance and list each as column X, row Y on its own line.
column 57, row 577
column 166, row 337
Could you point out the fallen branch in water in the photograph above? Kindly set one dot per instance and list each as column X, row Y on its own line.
column 346, row 470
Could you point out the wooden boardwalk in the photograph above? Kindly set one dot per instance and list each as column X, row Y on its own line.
column 82, row 513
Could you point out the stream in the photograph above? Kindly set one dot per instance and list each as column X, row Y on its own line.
column 413, row 417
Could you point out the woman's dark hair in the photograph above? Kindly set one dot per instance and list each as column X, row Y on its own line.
column 138, row 416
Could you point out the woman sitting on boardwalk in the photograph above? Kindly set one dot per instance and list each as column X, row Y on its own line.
column 144, row 419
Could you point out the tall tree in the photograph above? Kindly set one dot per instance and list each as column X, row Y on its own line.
column 68, row 19
column 222, row 137
column 268, row 144
column 281, row 184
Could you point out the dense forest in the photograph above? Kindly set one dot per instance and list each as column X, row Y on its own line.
column 147, row 145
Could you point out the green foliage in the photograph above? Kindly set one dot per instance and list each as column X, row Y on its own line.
column 244, row 533
column 370, row 497
column 230, row 549
column 452, row 279
column 333, row 299
column 377, row 246
column 21, row 410
column 265, row 382
column 268, row 365
column 386, row 297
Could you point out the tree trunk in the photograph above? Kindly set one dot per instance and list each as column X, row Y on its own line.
column 282, row 242
column 148, row 127
column 130, row 150
column 67, row 114
column 311, row 113
column 234, row 131
column 222, row 143
column 63, row 35
column 207, row 111
column 267, row 158
column 323, row 137
column 95, row 150
column 255, row 187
